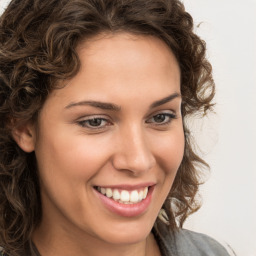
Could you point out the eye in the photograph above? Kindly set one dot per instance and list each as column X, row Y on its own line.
column 161, row 118
column 94, row 123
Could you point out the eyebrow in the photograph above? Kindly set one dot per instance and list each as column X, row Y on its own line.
column 96, row 104
column 114, row 107
column 165, row 100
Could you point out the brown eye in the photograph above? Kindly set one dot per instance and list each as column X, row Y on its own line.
column 161, row 118
column 93, row 123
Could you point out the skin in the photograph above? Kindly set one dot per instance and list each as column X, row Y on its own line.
column 134, row 144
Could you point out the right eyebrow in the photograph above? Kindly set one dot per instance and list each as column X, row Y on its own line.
column 96, row 104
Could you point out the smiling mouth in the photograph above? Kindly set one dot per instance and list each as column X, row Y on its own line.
column 124, row 196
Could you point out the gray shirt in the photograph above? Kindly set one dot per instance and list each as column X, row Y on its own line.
column 182, row 242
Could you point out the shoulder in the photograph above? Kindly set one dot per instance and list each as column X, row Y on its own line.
column 193, row 243
column 182, row 242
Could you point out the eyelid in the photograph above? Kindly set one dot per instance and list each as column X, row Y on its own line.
column 166, row 111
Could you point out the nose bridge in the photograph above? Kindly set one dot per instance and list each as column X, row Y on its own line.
column 133, row 152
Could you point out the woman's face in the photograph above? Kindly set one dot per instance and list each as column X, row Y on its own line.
column 111, row 134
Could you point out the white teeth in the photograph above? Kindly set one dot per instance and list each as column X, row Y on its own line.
column 116, row 194
column 102, row 191
column 141, row 195
column 134, row 196
column 145, row 192
column 109, row 192
column 124, row 196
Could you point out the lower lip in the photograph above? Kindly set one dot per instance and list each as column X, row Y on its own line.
column 126, row 210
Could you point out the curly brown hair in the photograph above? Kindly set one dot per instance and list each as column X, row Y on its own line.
column 38, row 41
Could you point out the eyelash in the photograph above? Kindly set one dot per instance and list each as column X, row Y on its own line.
column 86, row 122
column 170, row 117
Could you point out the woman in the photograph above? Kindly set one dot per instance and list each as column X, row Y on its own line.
column 95, row 155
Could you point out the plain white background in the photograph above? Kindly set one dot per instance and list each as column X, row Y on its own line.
column 227, row 139
column 229, row 196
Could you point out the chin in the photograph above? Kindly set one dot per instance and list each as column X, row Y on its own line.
column 127, row 238
column 128, row 233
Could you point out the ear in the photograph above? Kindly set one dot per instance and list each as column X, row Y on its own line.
column 25, row 137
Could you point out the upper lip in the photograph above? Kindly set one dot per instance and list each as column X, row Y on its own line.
column 128, row 186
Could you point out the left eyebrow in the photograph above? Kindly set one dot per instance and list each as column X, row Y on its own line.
column 165, row 100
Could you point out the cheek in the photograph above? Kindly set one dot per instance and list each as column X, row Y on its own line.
column 66, row 168
column 169, row 152
column 169, row 156
column 72, row 157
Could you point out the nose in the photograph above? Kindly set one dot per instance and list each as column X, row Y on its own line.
column 133, row 152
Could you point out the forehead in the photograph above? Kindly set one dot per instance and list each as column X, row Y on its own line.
column 124, row 65
column 126, row 50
